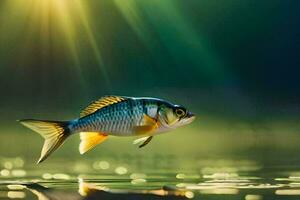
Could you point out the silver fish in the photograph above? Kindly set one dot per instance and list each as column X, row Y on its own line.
column 112, row 115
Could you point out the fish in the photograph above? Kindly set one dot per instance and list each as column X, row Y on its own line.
column 145, row 117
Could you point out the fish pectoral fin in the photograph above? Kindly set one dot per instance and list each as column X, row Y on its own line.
column 149, row 121
column 149, row 125
column 90, row 140
column 143, row 141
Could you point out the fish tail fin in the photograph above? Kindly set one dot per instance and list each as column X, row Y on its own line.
column 54, row 133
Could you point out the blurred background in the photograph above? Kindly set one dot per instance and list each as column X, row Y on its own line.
column 234, row 63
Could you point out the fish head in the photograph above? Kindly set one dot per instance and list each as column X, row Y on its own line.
column 173, row 116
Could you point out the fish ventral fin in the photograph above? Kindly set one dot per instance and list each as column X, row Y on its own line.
column 90, row 140
column 54, row 133
column 149, row 124
column 102, row 102
column 143, row 141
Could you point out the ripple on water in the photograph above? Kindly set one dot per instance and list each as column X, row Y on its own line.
column 209, row 179
column 121, row 170
column 253, row 197
column 4, row 172
column 98, row 165
column 288, row 192
column 16, row 195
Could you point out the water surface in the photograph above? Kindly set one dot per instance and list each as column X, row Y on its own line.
column 113, row 179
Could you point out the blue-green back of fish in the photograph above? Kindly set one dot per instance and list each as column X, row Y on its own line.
column 119, row 118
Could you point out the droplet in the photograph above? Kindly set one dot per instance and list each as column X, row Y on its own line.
column 121, row 170
column 189, row 194
column 101, row 165
column 18, row 162
column 16, row 187
column 5, row 172
column 8, row 165
column 253, row 197
column 138, row 181
column 287, row 192
column 47, row 176
column 61, row 176
column 180, row 176
column 16, row 195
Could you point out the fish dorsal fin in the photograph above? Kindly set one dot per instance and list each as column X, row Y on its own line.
column 102, row 102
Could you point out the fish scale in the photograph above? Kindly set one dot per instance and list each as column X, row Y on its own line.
column 119, row 118
column 111, row 115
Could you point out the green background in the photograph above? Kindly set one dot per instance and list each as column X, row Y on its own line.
column 233, row 63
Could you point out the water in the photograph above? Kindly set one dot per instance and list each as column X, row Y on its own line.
column 111, row 179
column 233, row 63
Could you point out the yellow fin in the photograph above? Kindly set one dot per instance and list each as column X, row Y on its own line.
column 149, row 121
column 141, row 130
column 143, row 141
column 102, row 102
column 90, row 140
column 149, row 124
column 54, row 133
column 146, row 142
column 86, row 189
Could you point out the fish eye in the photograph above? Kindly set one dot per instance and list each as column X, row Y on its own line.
column 180, row 112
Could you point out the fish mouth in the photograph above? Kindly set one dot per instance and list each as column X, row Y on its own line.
column 190, row 115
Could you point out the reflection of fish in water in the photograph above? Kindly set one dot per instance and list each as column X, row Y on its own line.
column 92, row 190
column 89, row 191
column 112, row 115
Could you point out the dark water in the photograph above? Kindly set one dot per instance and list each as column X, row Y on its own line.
column 108, row 179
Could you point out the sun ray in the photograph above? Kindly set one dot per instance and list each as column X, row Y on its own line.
column 133, row 15
column 85, row 20
column 64, row 19
column 67, row 26
column 173, row 29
